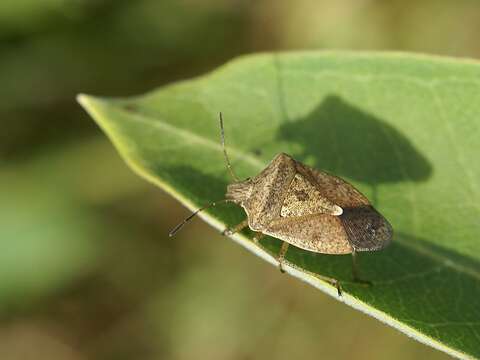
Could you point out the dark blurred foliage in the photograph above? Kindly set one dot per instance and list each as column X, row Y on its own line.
column 86, row 268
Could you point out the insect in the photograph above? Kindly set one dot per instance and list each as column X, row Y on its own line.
column 304, row 207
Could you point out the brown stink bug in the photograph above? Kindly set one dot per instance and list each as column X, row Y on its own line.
column 307, row 208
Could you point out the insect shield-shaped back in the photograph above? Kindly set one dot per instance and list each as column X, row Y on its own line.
column 310, row 209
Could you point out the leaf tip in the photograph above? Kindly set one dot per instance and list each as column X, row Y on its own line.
column 90, row 104
column 83, row 100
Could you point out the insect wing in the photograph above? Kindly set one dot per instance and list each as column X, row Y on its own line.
column 367, row 230
column 321, row 233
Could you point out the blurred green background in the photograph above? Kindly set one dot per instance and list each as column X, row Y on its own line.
column 87, row 270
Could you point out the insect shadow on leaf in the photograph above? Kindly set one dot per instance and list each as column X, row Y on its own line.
column 342, row 139
column 304, row 207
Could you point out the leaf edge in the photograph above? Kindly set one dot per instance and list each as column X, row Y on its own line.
column 88, row 103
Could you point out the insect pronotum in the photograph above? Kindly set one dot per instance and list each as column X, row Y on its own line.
column 304, row 207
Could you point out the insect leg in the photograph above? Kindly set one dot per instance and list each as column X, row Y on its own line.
column 356, row 277
column 281, row 255
column 235, row 229
column 257, row 237
column 331, row 281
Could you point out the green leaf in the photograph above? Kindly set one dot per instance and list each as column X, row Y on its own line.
column 402, row 128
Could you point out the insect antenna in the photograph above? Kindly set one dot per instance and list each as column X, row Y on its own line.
column 190, row 217
column 229, row 166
